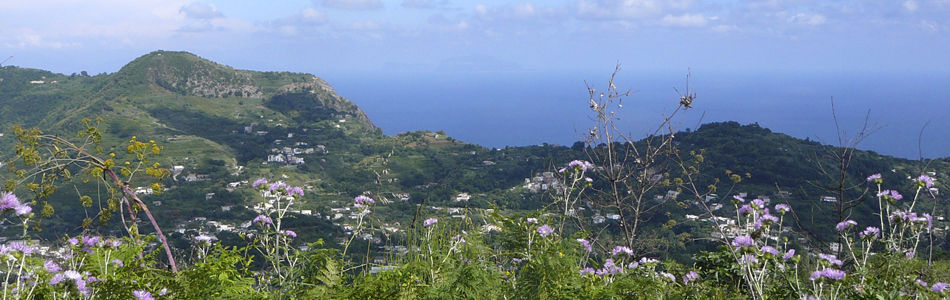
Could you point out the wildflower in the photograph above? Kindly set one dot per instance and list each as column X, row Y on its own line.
column 745, row 210
column 833, row 274
column 922, row 283
column 769, row 250
column 909, row 255
column 890, row 196
column 532, row 220
column 163, row 292
column 516, row 260
column 112, row 243
column 295, row 190
column 56, row 279
column 871, row 233
column 8, row 201
column 737, row 199
column 766, row 220
column 72, row 275
column 691, row 276
column 545, row 230
column 633, row 265
column 73, row 241
column 927, row 218
column 118, row 262
column 263, row 220
column 142, row 295
column 22, row 210
column 23, row 248
column 743, row 241
column 428, row 222
column 748, row 258
column 831, row 259
column 585, row 244
column 622, row 249
column 588, row 180
column 788, row 255
column 783, row 208
column 259, row 182
column 939, row 287
column 669, row 276
column 611, row 267
column 875, row 179
column 581, row 165
column 925, row 181
column 204, row 239
column 289, row 233
column 90, row 241
column 277, row 186
column 51, row 266
column 644, row 261
column 587, row 270
column 845, row 225
column 363, row 200
column 758, row 203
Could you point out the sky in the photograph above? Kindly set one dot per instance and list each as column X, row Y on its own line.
column 336, row 36
column 776, row 62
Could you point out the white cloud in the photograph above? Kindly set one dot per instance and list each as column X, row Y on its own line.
column 26, row 38
column 198, row 10
column 311, row 15
column 804, row 19
column 619, row 9
column 686, row 20
column 354, row 4
column 910, row 5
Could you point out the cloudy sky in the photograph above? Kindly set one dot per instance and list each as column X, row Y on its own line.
column 333, row 36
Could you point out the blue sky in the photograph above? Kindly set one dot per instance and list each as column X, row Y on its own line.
column 334, row 36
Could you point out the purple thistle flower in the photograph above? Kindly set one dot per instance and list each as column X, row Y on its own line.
column 845, row 225
column 876, row 178
column 428, row 222
column 51, row 266
column 783, row 208
column 622, row 249
column 939, row 287
column 890, row 195
column 277, row 185
column 8, row 201
column 263, row 220
column 289, row 233
column 922, row 283
column 743, row 241
column 23, row 209
column 758, row 203
column 259, row 182
column 831, row 259
column 766, row 220
column 691, row 276
column 581, row 165
column 73, row 241
column 90, row 241
column 737, row 198
column 745, row 209
column 585, row 244
column 142, row 295
column 295, row 190
column 769, row 250
column 928, row 219
column 545, row 230
column 829, row 273
column 925, row 181
column 56, row 279
column 871, row 233
column 748, row 258
column 364, row 200
column 669, row 276
column 118, row 262
column 788, row 255
column 204, row 239
column 587, row 270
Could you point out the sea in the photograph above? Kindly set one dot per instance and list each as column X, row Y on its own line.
column 903, row 114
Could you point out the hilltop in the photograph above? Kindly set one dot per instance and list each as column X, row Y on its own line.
column 223, row 127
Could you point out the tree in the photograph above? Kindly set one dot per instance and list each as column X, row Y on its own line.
column 48, row 159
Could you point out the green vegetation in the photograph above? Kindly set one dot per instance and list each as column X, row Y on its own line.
column 445, row 219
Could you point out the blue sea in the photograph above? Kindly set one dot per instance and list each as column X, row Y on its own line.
column 908, row 110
